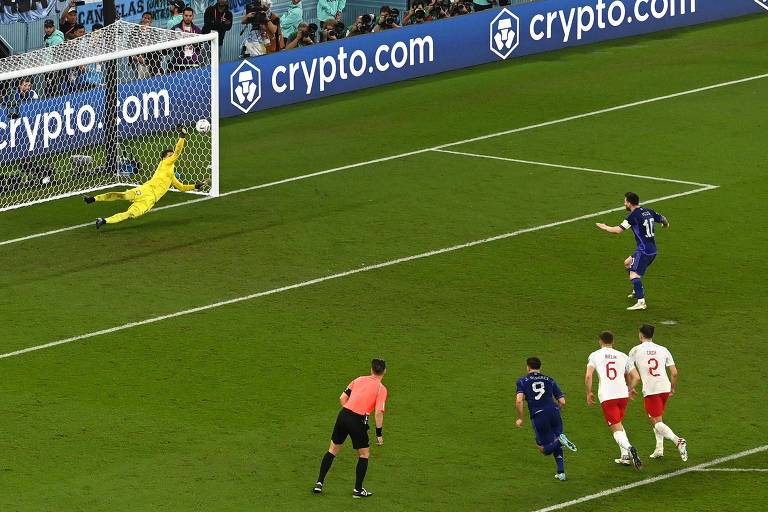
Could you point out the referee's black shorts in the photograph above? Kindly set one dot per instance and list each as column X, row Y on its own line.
column 353, row 425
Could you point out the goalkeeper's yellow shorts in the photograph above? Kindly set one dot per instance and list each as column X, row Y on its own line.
column 142, row 200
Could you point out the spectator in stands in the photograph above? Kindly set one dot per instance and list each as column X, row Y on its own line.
column 23, row 93
column 188, row 56
column 68, row 21
column 218, row 18
column 263, row 36
column 54, row 82
column 147, row 64
column 387, row 19
column 303, row 37
column 78, row 31
column 96, row 26
column 481, row 5
column 327, row 9
column 176, row 7
column 291, row 20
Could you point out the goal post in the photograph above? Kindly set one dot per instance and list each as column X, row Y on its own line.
column 58, row 138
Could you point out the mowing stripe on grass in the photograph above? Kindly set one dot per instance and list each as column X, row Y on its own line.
column 416, row 152
column 654, row 479
column 572, row 167
column 318, row 280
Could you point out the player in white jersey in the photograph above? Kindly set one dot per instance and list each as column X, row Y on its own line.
column 617, row 379
column 653, row 361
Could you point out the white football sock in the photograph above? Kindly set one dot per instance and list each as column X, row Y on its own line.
column 624, row 453
column 621, row 439
column 659, row 440
column 665, row 431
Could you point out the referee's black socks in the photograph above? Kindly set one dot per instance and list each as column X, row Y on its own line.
column 325, row 465
column 362, row 467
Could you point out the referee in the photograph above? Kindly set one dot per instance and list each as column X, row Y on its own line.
column 363, row 395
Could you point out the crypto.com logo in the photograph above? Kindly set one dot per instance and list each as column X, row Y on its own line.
column 245, row 86
column 505, row 33
column 762, row 3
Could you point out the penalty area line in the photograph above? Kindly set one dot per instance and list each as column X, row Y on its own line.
column 648, row 481
column 419, row 151
column 318, row 280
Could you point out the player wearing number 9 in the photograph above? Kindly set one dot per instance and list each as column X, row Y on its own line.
column 144, row 197
column 544, row 402
column 652, row 362
column 642, row 221
column 617, row 377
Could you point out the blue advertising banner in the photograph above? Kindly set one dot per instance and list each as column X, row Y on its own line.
column 25, row 11
column 418, row 50
column 77, row 120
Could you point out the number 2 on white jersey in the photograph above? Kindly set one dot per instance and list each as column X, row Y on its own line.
column 540, row 389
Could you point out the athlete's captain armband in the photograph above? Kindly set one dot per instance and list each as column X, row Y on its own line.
column 348, row 392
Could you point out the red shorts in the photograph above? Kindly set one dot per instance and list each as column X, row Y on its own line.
column 614, row 410
column 655, row 404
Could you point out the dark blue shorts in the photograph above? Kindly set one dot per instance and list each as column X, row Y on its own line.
column 641, row 262
column 548, row 425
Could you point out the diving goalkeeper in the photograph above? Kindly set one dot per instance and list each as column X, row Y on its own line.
column 144, row 197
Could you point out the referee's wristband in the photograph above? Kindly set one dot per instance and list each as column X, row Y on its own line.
column 378, row 431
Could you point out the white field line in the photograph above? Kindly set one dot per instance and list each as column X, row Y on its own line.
column 736, row 470
column 318, row 280
column 410, row 153
column 654, row 479
column 572, row 168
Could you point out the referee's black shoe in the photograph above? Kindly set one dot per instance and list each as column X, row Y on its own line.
column 318, row 488
column 362, row 493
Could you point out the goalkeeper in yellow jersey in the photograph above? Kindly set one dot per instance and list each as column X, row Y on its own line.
column 144, row 197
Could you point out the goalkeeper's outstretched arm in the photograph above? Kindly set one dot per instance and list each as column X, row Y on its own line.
column 179, row 146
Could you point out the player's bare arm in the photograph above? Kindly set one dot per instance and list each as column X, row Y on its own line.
column 519, row 406
column 588, row 385
column 561, row 401
column 379, row 417
column 632, row 378
column 610, row 229
column 672, row 378
column 664, row 221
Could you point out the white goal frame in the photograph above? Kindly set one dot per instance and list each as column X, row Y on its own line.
column 182, row 39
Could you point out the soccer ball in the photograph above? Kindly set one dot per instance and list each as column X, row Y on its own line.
column 203, row 126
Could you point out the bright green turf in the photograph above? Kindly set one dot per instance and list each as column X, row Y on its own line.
column 231, row 409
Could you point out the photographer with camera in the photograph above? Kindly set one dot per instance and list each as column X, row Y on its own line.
column 439, row 9
column 263, row 27
column 305, row 36
column 460, row 8
column 363, row 25
column 332, row 30
column 218, row 18
column 417, row 13
column 291, row 19
column 388, row 19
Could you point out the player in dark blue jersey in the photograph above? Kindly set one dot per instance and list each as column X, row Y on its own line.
column 643, row 223
column 544, row 401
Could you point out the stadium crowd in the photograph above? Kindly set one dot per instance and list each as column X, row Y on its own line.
column 262, row 30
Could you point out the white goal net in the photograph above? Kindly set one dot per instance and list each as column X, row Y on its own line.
column 97, row 111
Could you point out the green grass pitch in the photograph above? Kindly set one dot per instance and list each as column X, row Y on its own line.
column 231, row 408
